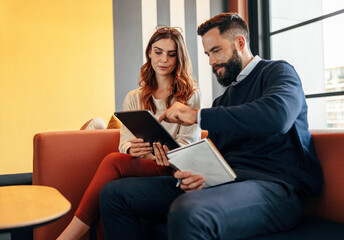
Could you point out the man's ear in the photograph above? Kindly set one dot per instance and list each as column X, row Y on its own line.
column 240, row 42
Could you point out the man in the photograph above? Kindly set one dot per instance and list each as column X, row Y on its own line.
column 259, row 125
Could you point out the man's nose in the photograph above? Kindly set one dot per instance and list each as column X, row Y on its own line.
column 212, row 60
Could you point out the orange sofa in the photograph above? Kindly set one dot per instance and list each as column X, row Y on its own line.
column 68, row 160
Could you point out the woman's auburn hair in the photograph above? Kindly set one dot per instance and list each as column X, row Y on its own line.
column 183, row 84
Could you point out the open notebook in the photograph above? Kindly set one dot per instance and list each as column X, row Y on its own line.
column 203, row 158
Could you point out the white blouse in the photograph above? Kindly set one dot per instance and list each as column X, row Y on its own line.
column 182, row 134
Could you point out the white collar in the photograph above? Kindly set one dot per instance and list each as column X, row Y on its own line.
column 247, row 70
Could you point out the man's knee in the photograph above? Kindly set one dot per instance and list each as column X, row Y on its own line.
column 109, row 196
column 105, row 196
column 185, row 210
column 187, row 217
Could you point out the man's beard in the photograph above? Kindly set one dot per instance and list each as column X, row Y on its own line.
column 232, row 69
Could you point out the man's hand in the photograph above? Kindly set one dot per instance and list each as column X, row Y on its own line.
column 180, row 113
column 139, row 148
column 190, row 182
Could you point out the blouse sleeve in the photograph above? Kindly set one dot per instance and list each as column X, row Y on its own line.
column 129, row 103
column 189, row 134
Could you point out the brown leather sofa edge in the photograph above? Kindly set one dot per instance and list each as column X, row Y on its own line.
column 68, row 160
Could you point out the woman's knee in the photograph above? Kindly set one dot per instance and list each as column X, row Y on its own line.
column 115, row 155
column 115, row 158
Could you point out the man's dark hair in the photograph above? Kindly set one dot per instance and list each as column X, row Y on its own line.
column 230, row 23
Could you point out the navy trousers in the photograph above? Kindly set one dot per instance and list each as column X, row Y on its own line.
column 235, row 210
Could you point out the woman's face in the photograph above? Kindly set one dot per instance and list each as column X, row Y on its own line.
column 163, row 56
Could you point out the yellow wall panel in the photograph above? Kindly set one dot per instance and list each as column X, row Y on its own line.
column 56, row 71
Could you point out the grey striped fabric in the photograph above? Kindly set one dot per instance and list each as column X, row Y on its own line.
column 131, row 22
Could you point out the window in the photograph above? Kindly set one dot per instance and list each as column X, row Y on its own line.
column 307, row 34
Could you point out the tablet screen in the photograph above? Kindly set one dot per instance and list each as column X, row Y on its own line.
column 142, row 124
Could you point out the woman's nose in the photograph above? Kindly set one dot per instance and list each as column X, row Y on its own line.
column 163, row 58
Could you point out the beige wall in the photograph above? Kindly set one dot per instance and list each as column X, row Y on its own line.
column 56, row 71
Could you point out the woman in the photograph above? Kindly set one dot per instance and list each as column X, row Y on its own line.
column 164, row 79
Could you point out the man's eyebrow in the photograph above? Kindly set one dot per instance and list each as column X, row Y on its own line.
column 211, row 50
column 214, row 48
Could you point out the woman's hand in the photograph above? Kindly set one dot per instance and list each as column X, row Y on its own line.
column 160, row 154
column 190, row 182
column 139, row 148
column 149, row 156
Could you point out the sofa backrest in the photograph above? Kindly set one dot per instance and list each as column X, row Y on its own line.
column 67, row 161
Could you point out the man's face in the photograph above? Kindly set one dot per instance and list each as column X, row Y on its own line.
column 223, row 57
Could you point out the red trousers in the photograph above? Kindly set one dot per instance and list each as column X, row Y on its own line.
column 114, row 166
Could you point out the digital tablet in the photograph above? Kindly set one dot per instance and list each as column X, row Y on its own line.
column 142, row 124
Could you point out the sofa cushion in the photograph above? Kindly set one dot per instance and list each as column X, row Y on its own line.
column 93, row 124
column 114, row 123
column 98, row 123
column 309, row 228
column 16, row 179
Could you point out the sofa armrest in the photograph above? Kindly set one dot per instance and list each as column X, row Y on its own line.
column 67, row 161
column 329, row 145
